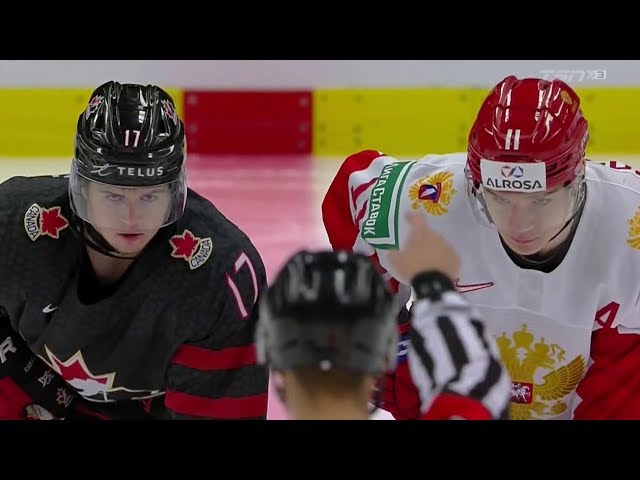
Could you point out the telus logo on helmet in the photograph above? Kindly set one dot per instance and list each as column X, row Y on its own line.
column 514, row 177
column 138, row 172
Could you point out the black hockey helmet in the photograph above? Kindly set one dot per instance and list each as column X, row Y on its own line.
column 129, row 137
column 328, row 310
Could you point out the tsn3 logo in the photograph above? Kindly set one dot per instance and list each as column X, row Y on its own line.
column 574, row 75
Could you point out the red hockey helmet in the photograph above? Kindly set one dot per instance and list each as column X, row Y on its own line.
column 525, row 160
column 529, row 121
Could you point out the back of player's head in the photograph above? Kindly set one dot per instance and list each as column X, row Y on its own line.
column 329, row 311
column 529, row 121
column 130, row 135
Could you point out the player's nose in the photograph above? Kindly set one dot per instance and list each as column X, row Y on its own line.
column 520, row 219
column 130, row 219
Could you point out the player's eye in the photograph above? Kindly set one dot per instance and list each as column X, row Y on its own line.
column 542, row 201
column 500, row 200
column 151, row 197
column 114, row 197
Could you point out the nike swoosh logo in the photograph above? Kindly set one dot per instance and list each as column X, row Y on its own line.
column 48, row 309
column 472, row 287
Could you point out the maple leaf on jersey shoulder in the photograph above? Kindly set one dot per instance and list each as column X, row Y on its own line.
column 184, row 245
column 52, row 222
column 195, row 250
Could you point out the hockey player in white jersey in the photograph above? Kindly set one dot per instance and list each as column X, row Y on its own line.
column 549, row 241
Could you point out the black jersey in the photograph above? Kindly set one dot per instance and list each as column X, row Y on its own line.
column 174, row 337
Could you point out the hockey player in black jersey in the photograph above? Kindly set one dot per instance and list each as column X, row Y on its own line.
column 127, row 284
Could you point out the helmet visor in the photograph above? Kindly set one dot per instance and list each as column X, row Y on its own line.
column 127, row 209
column 524, row 216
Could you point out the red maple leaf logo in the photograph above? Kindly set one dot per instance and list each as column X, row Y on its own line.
column 170, row 111
column 93, row 105
column 184, row 246
column 77, row 374
column 52, row 222
column 95, row 101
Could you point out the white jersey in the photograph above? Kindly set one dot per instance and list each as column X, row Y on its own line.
column 543, row 322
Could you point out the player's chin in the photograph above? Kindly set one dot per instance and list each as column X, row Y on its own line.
column 525, row 246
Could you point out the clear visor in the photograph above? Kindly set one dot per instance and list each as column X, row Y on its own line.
column 127, row 210
column 522, row 215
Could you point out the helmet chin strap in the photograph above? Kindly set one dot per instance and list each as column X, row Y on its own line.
column 97, row 242
column 563, row 228
column 531, row 259
column 567, row 223
column 93, row 239
column 577, row 211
